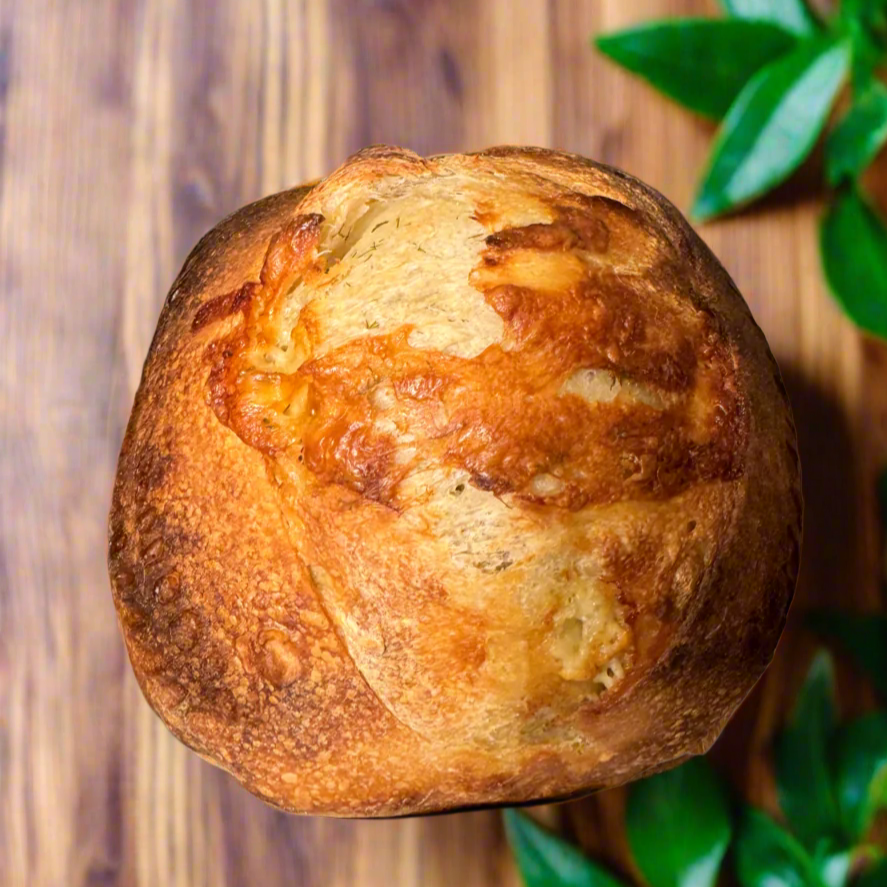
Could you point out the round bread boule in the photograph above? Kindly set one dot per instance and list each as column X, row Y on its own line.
column 453, row 482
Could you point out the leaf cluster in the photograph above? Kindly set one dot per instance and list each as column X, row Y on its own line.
column 770, row 73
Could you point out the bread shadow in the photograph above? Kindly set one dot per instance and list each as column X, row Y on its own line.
column 832, row 565
column 832, row 480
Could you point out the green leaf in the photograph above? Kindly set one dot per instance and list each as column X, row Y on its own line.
column 866, row 55
column 768, row 856
column 793, row 15
column 679, row 826
column 803, row 779
column 875, row 876
column 832, row 867
column 866, row 22
column 773, row 125
column 701, row 63
column 855, row 143
column 545, row 860
column 862, row 637
column 871, row 14
column 861, row 8
column 853, row 243
column 860, row 765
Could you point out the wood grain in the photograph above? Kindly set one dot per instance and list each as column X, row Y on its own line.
column 127, row 129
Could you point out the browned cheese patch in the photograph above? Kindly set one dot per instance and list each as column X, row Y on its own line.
column 503, row 415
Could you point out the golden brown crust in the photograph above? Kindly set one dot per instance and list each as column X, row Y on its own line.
column 416, row 563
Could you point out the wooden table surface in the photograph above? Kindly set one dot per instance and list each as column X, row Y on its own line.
column 127, row 129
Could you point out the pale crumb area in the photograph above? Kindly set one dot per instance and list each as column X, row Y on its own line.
column 604, row 386
column 403, row 259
